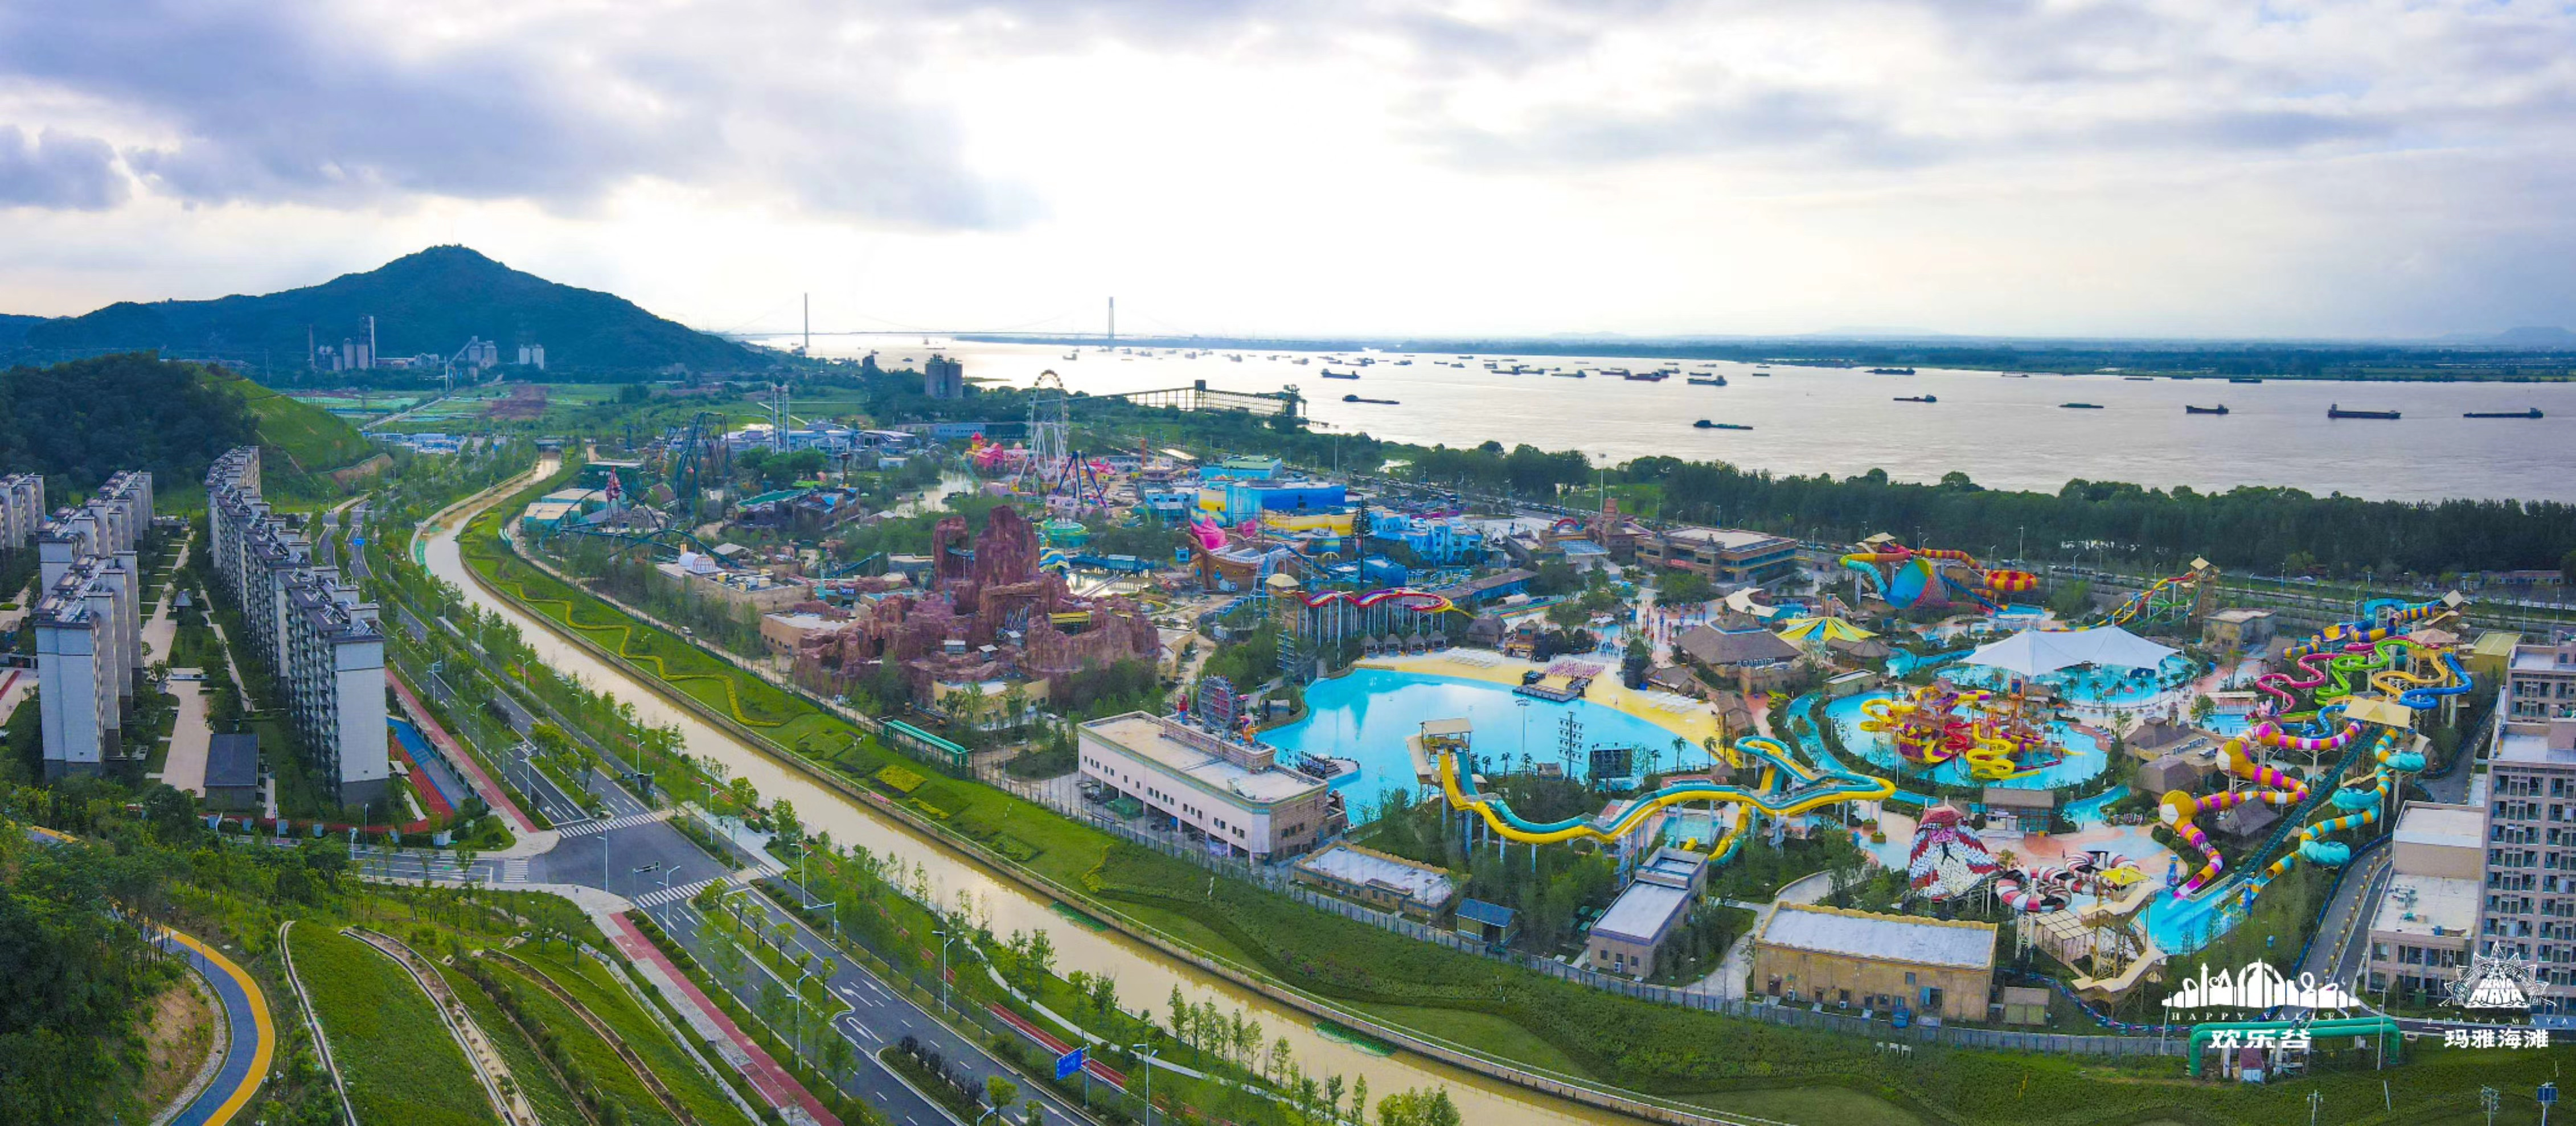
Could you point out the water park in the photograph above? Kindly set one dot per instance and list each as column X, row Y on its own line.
column 1905, row 736
column 1715, row 763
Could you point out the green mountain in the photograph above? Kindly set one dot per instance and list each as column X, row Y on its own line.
column 78, row 422
column 431, row 302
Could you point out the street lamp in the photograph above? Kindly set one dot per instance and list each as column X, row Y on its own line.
column 947, row 935
column 1147, row 1050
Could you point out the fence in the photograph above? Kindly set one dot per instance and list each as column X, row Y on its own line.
column 1277, row 879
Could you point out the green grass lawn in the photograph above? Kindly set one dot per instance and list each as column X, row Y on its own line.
column 527, row 1069
column 592, row 1055
column 604, row 998
column 400, row 1063
column 1491, row 1033
column 1819, row 1105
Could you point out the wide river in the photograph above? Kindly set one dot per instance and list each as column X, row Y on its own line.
column 2002, row 432
column 1145, row 977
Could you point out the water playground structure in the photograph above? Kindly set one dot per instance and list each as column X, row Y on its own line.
column 1907, row 577
column 1993, row 732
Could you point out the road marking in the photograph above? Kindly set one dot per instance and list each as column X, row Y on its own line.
column 675, row 893
column 586, row 828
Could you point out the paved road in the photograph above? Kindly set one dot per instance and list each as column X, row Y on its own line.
column 638, row 854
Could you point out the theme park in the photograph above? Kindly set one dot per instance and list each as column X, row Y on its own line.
column 888, row 712
column 1874, row 786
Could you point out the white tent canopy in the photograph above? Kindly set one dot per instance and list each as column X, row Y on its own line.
column 2033, row 652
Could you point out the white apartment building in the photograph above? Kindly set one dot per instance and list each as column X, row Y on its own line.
column 88, row 621
column 316, row 633
column 1213, row 786
column 2539, row 682
column 22, row 511
column 2529, row 879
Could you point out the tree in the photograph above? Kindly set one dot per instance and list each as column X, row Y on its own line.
column 999, row 1091
column 2567, row 567
column 1683, row 588
column 1039, row 961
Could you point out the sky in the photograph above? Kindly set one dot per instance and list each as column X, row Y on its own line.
column 2198, row 168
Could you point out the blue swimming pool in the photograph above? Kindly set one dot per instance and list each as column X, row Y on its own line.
column 2085, row 757
column 1367, row 715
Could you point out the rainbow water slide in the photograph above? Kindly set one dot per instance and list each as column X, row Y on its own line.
column 1419, row 601
column 2359, row 805
column 2128, row 611
column 2180, row 810
column 1786, row 789
column 2369, row 629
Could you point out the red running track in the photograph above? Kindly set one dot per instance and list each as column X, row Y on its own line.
column 771, row 1080
column 438, row 737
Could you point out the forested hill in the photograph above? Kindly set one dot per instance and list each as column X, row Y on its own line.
column 431, row 302
column 78, row 422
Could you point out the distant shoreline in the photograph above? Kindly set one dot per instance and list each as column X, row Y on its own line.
column 2357, row 363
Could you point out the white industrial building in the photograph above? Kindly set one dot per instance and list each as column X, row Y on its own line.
column 88, row 623
column 320, row 637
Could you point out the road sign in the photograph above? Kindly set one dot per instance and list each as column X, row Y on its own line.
column 2548, row 1094
column 1068, row 1064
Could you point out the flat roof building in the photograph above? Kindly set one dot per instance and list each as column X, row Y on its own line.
column 1388, row 883
column 232, row 772
column 1213, row 786
column 1725, row 555
column 1934, row 967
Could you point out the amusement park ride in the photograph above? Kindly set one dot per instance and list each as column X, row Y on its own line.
column 1995, row 733
column 1907, row 577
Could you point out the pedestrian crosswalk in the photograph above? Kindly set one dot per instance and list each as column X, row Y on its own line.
column 675, row 893
column 514, row 871
column 586, row 828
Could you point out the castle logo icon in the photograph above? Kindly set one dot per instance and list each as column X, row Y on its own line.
column 2258, row 986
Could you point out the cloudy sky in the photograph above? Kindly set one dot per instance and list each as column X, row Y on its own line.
column 2047, row 167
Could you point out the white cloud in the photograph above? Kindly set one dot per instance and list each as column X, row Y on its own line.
column 2011, row 166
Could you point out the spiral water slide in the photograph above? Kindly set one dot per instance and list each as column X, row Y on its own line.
column 1786, row 789
column 1913, row 573
column 2180, row 809
column 2359, row 805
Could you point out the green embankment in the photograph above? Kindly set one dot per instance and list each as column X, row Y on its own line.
column 604, row 998
column 527, row 1068
column 399, row 1060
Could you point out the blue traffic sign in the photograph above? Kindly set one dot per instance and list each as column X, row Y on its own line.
column 1068, row 1064
column 2548, row 1093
